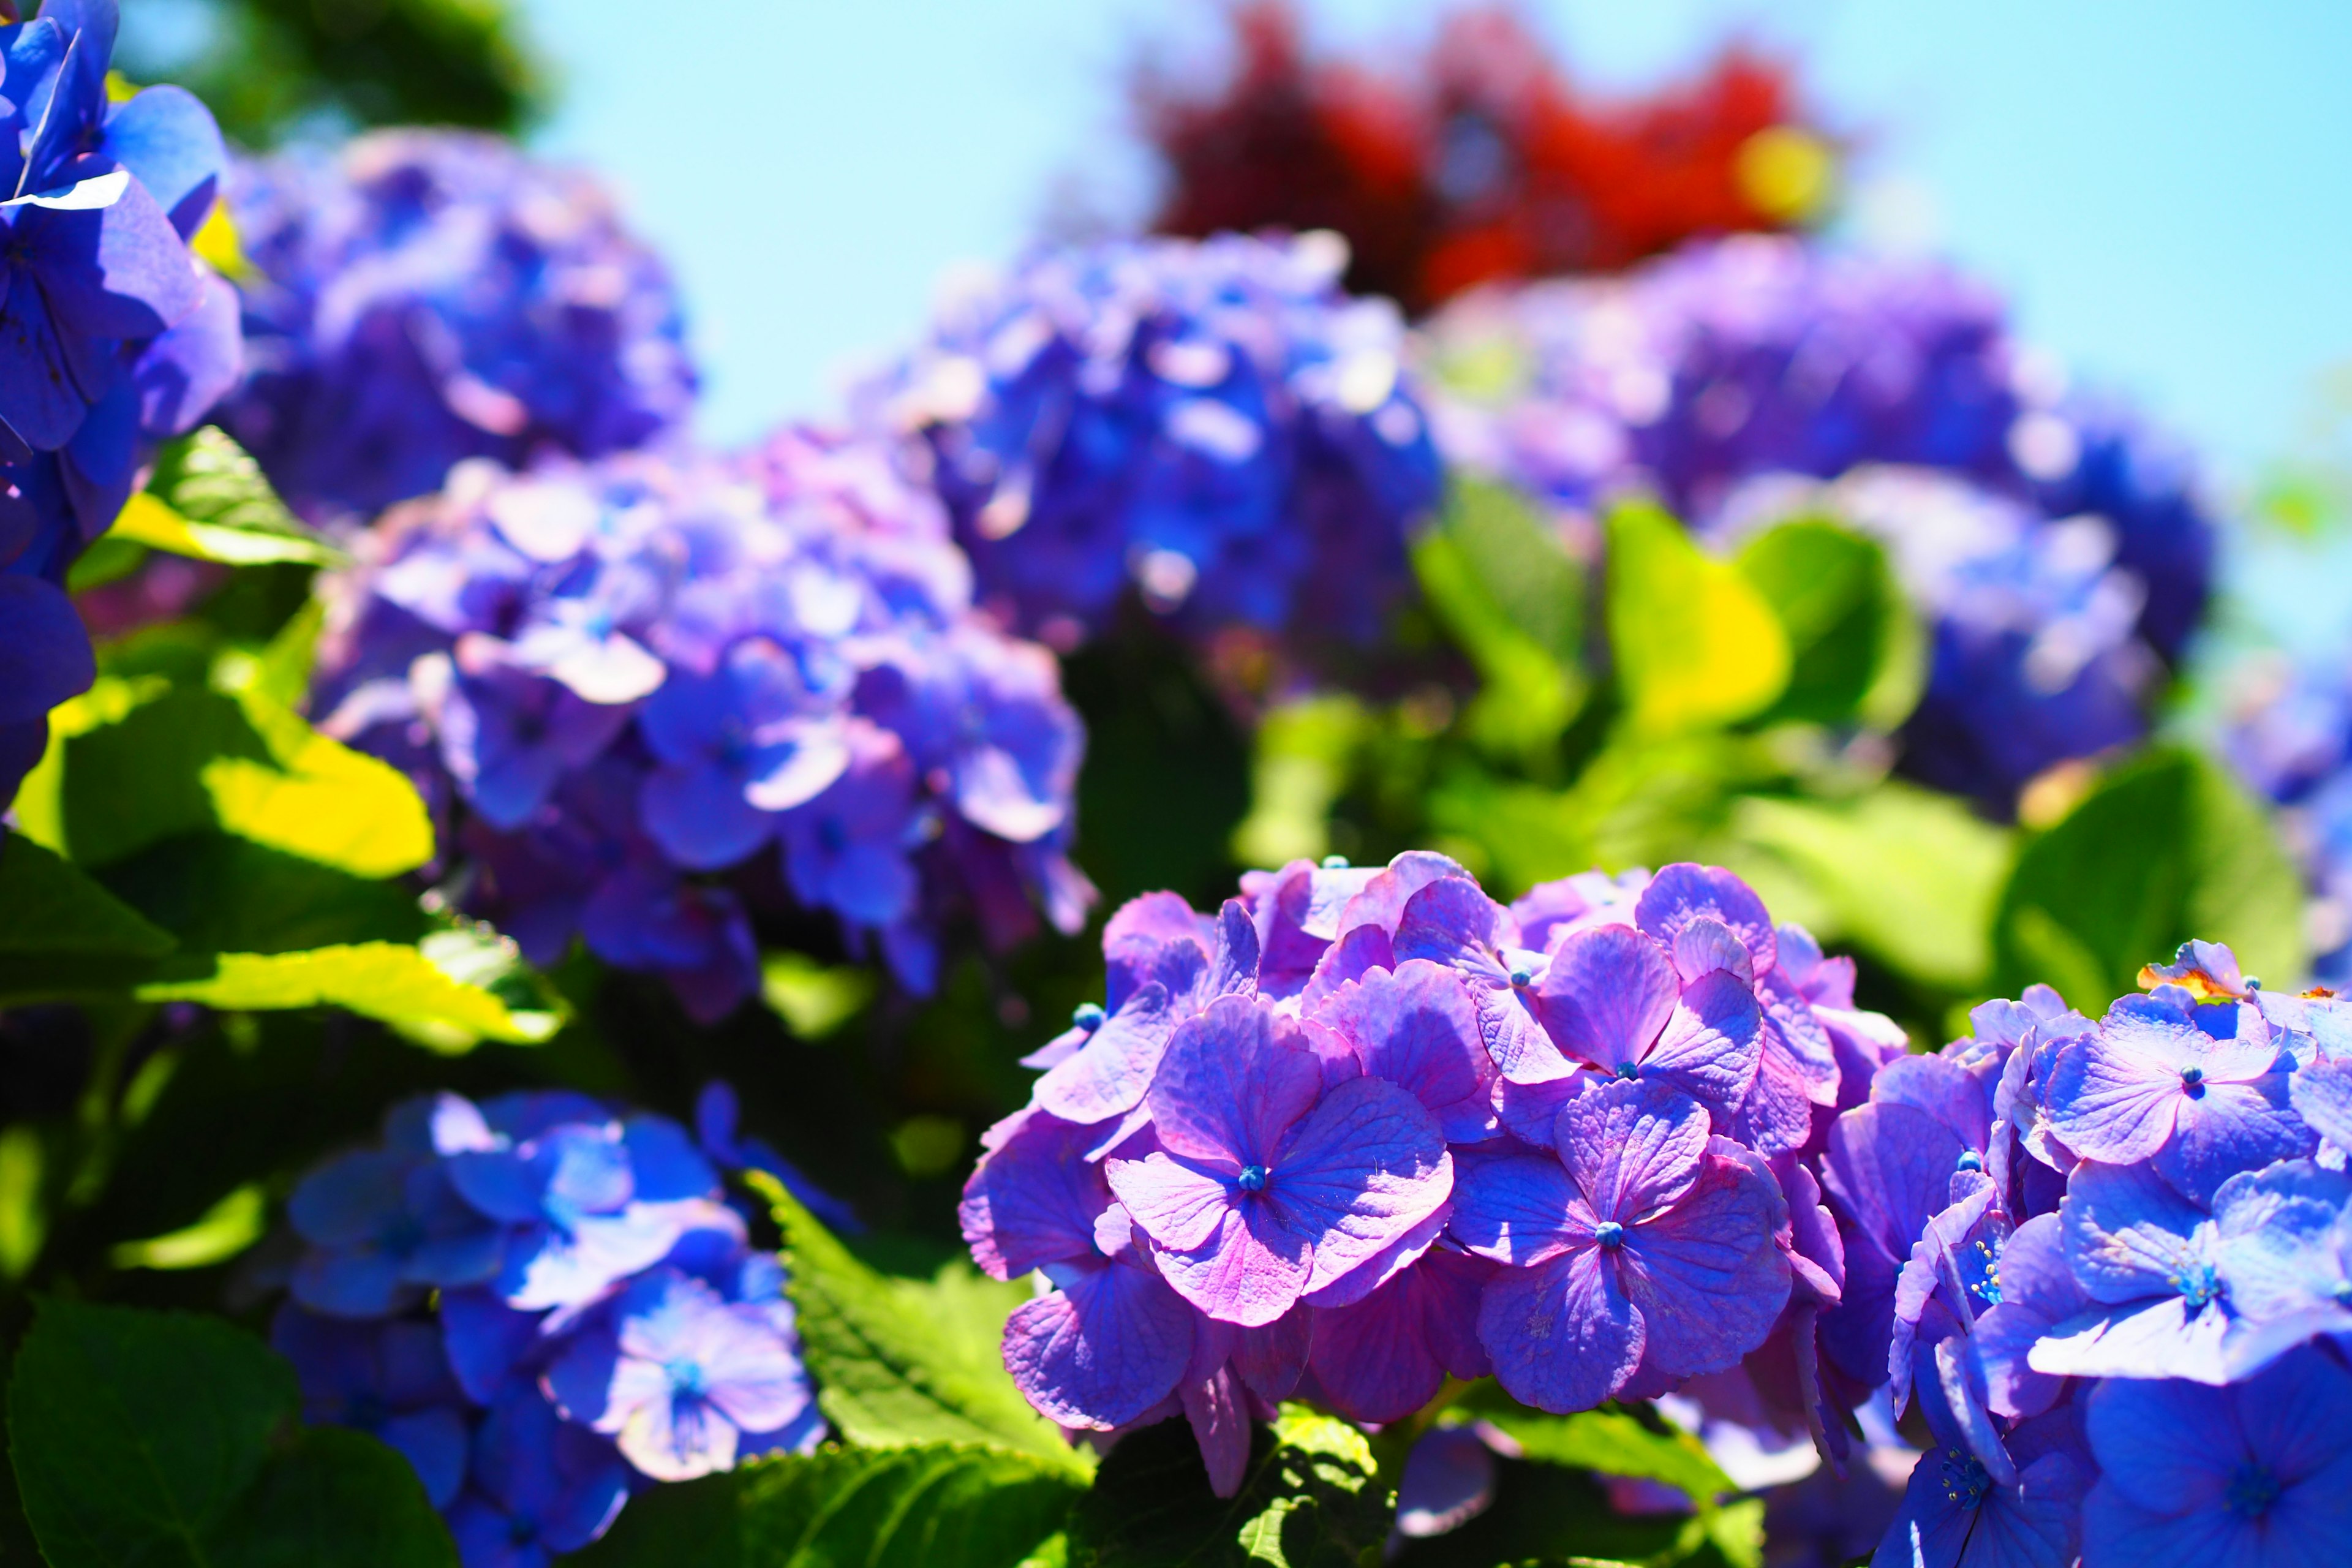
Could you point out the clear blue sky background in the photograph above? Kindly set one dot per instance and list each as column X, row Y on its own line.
column 2162, row 187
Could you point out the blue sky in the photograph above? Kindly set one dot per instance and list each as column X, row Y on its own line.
column 2161, row 187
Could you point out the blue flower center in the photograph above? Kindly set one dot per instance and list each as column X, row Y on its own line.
column 1088, row 1015
column 685, row 1376
column 2198, row 1283
column 1970, row 1160
column 1522, row 977
column 2252, row 1489
column 1629, row 1069
column 1964, row 1477
column 1253, row 1178
column 1335, row 862
column 1609, row 1234
column 2192, row 1082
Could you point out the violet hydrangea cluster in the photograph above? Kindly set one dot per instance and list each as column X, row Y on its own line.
column 420, row 297
column 2111, row 1263
column 650, row 697
column 1366, row 1128
column 1212, row 425
column 112, row 335
column 2289, row 736
column 544, row 1305
column 2061, row 552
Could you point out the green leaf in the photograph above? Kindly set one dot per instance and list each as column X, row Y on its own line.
column 1305, row 751
column 2167, row 849
column 937, row 1505
column 1858, row 649
column 135, row 1435
column 48, row 907
column 904, row 1361
column 1513, row 598
column 813, row 999
column 145, row 519
column 209, row 500
column 399, row 984
column 1695, row 642
column 1910, row 876
column 1549, row 1514
column 1308, row 1499
column 1612, row 1442
column 219, row 1233
column 340, row 1496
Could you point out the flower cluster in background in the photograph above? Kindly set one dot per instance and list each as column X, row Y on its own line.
column 2289, row 736
column 1214, row 426
column 1366, row 1128
column 112, row 335
column 2060, row 552
column 422, row 296
column 543, row 1306
column 2107, row 1260
column 622, row 679
column 1483, row 160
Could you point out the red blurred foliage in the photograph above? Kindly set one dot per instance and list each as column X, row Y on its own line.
column 1483, row 163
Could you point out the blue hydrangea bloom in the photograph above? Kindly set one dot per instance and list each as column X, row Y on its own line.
column 113, row 335
column 2259, row 1473
column 423, row 297
column 622, row 677
column 1212, row 427
column 2062, row 553
column 597, row 1317
column 2288, row 733
column 1364, row 1129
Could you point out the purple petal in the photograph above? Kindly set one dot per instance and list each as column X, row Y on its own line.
column 1712, row 1042
column 351, row 1199
column 1033, row 1199
column 1380, row 902
column 699, row 817
column 2128, row 1234
column 1890, row 1167
column 1178, row 1204
column 2322, row 1091
column 1632, row 1147
column 1220, row 1418
column 1705, row 945
column 1365, row 1167
column 1103, row 1349
column 1519, row 1209
column 1449, row 1479
column 1108, row 1075
column 1416, row 1029
column 1231, row 1083
column 1351, row 958
column 1250, row 1272
column 1373, row 1359
column 119, row 272
column 1562, row 1335
column 1607, row 995
column 1681, row 893
column 1706, row 1275
column 2113, row 1095
column 171, row 145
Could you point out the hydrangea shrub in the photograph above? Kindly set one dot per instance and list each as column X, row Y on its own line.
column 616, row 679
column 112, row 335
column 1211, row 425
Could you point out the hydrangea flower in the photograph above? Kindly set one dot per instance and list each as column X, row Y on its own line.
column 2061, row 554
column 422, row 296
column 1365, row 1128
column 113, row 336
column 2288, row 734
column 598, row 1318
column 2258, row 1473
column 1212, row 427
column 628, row 681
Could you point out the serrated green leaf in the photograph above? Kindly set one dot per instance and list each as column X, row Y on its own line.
column 1858, row 650
column 1694, row 644
column 1910, row 876
column 899, row 1361
column 940, row 1505
column 2167, row 849
column 334, row 1496
column 1307, row 1499
column 47, row 906
column 135, row 1435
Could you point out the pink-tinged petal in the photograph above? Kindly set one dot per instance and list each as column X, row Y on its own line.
column 1890, row 1167
column 1946, row 1089
column 1250, row 1272
column 1363, row 1168
column 1176, row 1204
column 1270, row 1359
column 1776, row 1116
column 1372, row 1360
column 1220, row 1419
column 1033, row 1199
column 1607, row 995
column 1156, row 937
column 1712, row 1042
column 1108, row 1075
column 1681, row 893
column 1416, row 1029
column 1233, row 1081
column 1706, row 945
column 1519, row 1209
column 1563, row 1336
column 1515, row 1038
column 1529, row 1111
column 1386, row 1264
column 756, row 1379
column 1101, row 1351
column 1453, row 1284
column 1233, row 954
column 1453, row 922
column 1380, row 902
column 1707, row 1276
column 1359, row 954
column 1632, row 1147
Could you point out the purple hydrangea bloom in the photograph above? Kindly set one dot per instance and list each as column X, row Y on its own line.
column 427, row 296
column 2259, row 1473
column 387, row 1378
column 2060, row 552
column 2288, row 734
column 625, row 678
column 113, row 336
column 1975, row 1500
column 540, row 1487
column 1637, row 1246
column 1212, row 425
column 384, row 1226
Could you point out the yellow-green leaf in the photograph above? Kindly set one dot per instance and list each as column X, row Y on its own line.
column 1696, row 644
column 146, row 520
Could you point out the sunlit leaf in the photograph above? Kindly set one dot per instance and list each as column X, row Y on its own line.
column 813, row 999
column 47, row 906
column 1308, row 1497
column 1304, row 754
column 1858, row 649
column 1696, row 644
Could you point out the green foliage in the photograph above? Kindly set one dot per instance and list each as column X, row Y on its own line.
column 164, row 1439
column 1513, row 600
column 1695, row 643
column 900, row 1360
column 1858, row 649
column 1305, row 749
column 47, row 907
column 934, row 1505
column 208, row 500
column 813, row 999
column 1308, row 1499
column 2167, row 849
